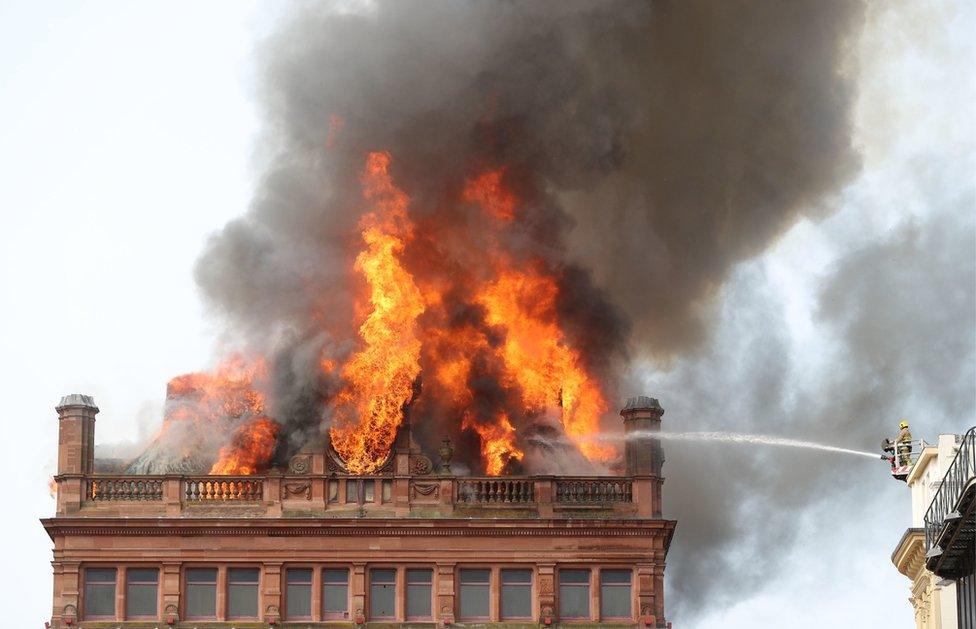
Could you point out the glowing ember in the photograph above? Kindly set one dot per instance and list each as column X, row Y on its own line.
column 379, row 377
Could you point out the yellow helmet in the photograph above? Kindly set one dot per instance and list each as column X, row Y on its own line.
column 903, row 423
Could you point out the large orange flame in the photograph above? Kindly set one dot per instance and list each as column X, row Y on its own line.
column 379, row 377
column 249, row 450
column 210, row 404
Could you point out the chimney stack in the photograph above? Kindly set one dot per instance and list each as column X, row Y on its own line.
column 76, row 449
column 642, row 452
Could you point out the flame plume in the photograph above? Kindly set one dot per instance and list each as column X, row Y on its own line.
column 379, row 378
column 249, row 450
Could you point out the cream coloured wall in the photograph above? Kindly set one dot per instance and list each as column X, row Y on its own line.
column 933, row 599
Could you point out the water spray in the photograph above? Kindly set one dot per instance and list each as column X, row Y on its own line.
column 735, row 437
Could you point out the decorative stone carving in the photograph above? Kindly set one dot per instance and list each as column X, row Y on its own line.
column 545, row 585
column 420, row 465
column 646, row 609
column 431, row 490
column 445, row 452
column 300, row 464
column 171, row 614
column 289, row 490
column 69, row 613
column 272, row 614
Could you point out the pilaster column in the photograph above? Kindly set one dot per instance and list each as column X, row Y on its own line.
column 445, row 593
column 547, row 593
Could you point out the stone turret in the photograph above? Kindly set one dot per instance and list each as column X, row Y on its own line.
column 643, row 454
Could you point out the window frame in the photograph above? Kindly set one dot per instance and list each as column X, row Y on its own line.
column 159, row 592
column 257, row 590
column 491, row 592
column 406, row 592
column 533, row 577
column 346, row 616
column 185, row 586
column 629, row 586
column 589, row 593
column 84, row 592
column 398, row 606
column 311, row 591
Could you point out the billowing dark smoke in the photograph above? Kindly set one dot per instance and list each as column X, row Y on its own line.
column 652, row 146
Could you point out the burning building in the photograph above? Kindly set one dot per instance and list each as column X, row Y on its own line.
column 451, row 460
column 329, row 538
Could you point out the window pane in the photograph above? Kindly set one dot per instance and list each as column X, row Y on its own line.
column 100, row 599
column 351, row 491
column 140, row 600
column 298, row 600
column 418, row 592
column 615, row 576
column 615, row 601
column 381, row 600
column 420, row 575
column 418, row 601
column 475, row 575
column 369, row 490
column 333, row 575
column 100, row 575
column 383, row 576
column 474, row 601
column 141, row 592
column 335, row 598
column 333, row 491
column 516, row 601
column 574, row 576
column 382, row 593
column 201, row 600
column 242, row 601
column 387, row 490
column 574, row 593
column 299, row 575
column 201, row 575
column 242, row 575
column 516, row 576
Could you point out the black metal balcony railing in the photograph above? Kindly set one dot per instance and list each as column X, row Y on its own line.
column 942, row 512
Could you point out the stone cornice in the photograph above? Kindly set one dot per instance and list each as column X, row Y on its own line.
column 909, row 555
column 344, row 527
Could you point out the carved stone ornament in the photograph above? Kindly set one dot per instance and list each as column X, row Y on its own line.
column 171, row 614
column 646, row 610
column 289, row 490
column 420, row 465
column 545, row 585
column 300, row 464
column 547, row 611
column 271, row 614
column 432, row 490
column 445, row 452
column 70, row 612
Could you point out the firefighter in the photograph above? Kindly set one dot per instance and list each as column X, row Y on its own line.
column 904, row 443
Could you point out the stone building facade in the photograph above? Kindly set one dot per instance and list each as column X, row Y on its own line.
column 313, row 546
column 933, row 599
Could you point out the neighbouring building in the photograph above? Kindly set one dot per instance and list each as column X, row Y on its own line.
column 950, row 529
column 933, row 598
column 312, row 545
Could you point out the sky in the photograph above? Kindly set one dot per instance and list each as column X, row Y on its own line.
column 127, row 136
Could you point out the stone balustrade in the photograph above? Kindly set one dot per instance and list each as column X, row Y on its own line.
column 279, row 494
column 130, row 488
column 223, row 488
column 593, row 490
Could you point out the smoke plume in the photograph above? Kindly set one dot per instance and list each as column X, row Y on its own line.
column 651, row 147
